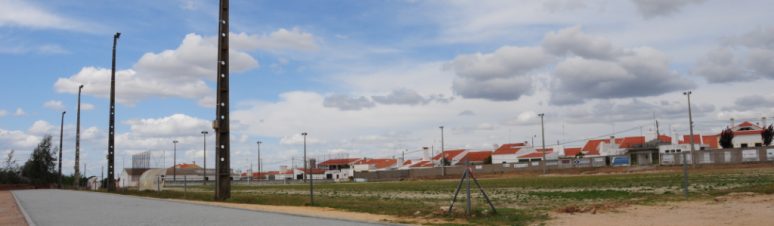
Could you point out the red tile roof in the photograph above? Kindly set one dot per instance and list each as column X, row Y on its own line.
column 747, row 132
column 572, row 151
column 712, row 140
column 746, row 124
column 592, row 146
column 378, row 163
column 664, row 138
column 422, row 164
column 450, row 154
column 507, row 149
column 687, row 139
column 475, row 156
column 534, row 155
column 187, row 166
column 338, row 162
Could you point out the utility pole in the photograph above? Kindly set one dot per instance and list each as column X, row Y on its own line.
column 443, row 155
column 259, row 159
column 111, row 187
column 204, row 150
column 308, row 172
column 61, row 133
column 174, row 161
column 543, row 136
column 685, row 161
column 78, row 136
column 222, row 128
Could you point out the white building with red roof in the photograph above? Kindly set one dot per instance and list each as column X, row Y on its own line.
column 453, row 156
column 509, row 153
column 747, row 134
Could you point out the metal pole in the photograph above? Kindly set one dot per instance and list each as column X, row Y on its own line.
column 111, row 135
column 685, row 160
column 259, row 160
column 222, row 130
column 78, row 136
column 204, row 179
column 543, row 136
column 443, row 155
column 174, row 161
column 308, row 172
column 467, row 210
column 61, row 132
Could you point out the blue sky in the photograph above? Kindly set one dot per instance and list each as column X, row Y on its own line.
column 371, row 78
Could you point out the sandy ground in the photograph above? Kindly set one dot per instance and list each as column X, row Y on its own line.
column 9, row 212
column 733, row 209
column 324, row 213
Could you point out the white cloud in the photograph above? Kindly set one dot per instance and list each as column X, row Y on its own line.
column 171, row 73
column 572, row 40
column 87, row 106
column 3, row 113
column 40, row 128
column 174, row 125
column 281, row 39
column 297, row 139
column 655, row 8
column 721, row 65
column 17, row 13
column 347, row 103
column 182, row 72
column 501, row 75
column 19, row 112
column 54, row 105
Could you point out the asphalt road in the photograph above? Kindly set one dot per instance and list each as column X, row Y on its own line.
column 62, row 207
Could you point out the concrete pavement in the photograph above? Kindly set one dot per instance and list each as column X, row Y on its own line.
column 63, row 207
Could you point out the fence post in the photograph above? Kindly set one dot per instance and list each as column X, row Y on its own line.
column 185, row 185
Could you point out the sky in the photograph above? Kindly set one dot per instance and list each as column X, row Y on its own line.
column 376, row 78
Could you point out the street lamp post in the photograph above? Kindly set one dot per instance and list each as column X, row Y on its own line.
column 174, row 161
column 443, row 155
column 307, row 172
column 111, row 135
column 61, row 132
column 204, row 150
column 543, row 136
column 78, row 136
column 259, row 159
column 685, row 161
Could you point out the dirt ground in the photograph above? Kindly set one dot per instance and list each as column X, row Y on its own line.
column 9, row 212
column 323, row 212
column 734, row 209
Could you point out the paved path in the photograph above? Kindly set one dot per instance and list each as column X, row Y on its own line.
column 62, row 207
column 9, row 213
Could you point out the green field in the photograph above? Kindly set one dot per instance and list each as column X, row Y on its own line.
column 520, row 200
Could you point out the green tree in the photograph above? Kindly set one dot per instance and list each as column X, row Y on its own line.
column 9, row 174
column 767, row 135
column 40, row 168
column 727, row 138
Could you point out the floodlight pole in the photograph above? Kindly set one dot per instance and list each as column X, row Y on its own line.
column 78, row 136
column 61, row 132
column 111, row 187
column 543, row 136
column 222, row 128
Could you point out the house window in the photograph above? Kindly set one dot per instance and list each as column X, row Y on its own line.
column 758, row 144
column 744, row 145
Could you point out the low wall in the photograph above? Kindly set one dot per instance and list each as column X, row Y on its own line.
column 706, row 157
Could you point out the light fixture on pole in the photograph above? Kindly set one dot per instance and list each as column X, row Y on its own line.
column 543, row 136
column 204, row 150
column 61, row 132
